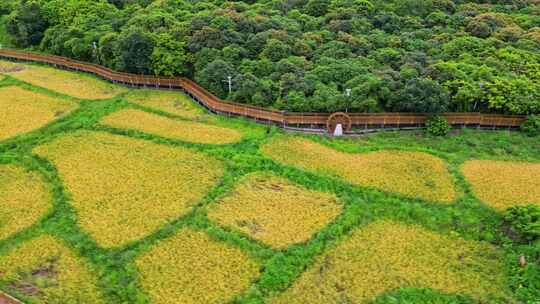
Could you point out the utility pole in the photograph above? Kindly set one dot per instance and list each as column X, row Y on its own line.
column 229, row 81
column 96, row 55
column 348, row 94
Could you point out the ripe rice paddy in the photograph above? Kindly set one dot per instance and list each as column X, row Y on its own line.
column 412, row 174
column 45, row 271
column 503, row 184
column 177, row 129
column 191, row 268
column 68, row 83
column 274, row 210
column 23, row 110
column 106, row 218
column 122, row 188
column 23, row 199
column 384, row 256
column 7, row 66
column 167, row 101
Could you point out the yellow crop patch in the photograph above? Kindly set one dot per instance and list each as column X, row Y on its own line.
column 184, row 130
column 275, row 211
column 7, row 66
column 191, row 268
column 22, row 111
column 48, row 272
column 171, row 102
column 23, row 199
column 123, row 188
column 69, row 83
column 503, row 184
column 413, row 174
column 385, row 256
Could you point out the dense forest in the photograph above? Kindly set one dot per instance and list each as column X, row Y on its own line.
column 306, row 55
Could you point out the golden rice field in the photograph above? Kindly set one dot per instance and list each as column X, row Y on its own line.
column 503, row 184
column 385, row 255
column 275, row 211
column 90, row 216
column 177, row 129
column 68, row 83
column 46, row 271
column 191, row 268
column 24, row 198
column 413, row 174
column 23, row 111
column 167, row 101
column 123, row 188
column 8, row 66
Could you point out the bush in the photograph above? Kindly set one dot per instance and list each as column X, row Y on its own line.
column 524, row 222
column 532, row 125
column 437, row 126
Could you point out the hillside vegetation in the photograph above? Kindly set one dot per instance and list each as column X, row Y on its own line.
column 303, row 55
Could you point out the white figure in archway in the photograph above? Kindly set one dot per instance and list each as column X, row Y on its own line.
column 338, row 131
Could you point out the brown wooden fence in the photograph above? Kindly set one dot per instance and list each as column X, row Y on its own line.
column 285, row 119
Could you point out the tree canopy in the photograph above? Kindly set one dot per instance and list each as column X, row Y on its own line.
column 304, row 55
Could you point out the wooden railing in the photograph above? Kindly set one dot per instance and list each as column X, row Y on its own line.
column 281, row 118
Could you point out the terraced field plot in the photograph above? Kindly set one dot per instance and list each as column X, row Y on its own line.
column 46, row 271
column 69, row 83
column 23, row 111
column 503, row 184
column 384, row 256
column 412, row 174
column 275, row 211
column 171, row 102
column 7, row 66
column 191, row 268
column 184, row 130
column 107, row 218
column 122, row 188
column 24, row 198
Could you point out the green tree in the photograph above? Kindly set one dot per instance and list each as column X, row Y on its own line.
column 27, row 24
column 135, row 49
column 420, row 95
column 169, row 57
column 214, row 76
column 276, row 50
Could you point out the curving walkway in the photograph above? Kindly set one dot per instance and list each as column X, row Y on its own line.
column 309, row 122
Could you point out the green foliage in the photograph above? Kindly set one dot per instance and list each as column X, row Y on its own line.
column 135, row 49
column 427, row 55
column 437, row 126
column 27, row 24
column 532, row 125
column 520, row 95
column 169, row 56
column 524, row 222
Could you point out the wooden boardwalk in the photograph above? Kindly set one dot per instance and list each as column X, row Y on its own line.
column 359, row 121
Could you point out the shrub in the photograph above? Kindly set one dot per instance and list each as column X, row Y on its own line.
column 524, row 222
column 532, row 125
column 437, row 126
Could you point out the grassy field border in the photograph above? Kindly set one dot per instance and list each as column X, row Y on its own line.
column 117, row 275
